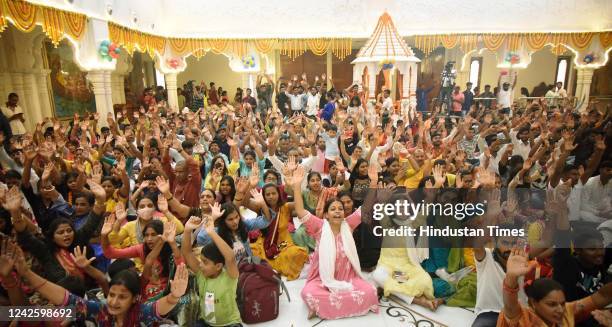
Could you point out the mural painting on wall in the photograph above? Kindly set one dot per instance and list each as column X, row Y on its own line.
column 71, row 90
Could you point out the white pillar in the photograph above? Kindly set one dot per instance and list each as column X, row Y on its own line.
column 43, row 93
column 171, row 86
column 33, row 112
column 108, row 91
column 103, row 107
column 583, row 86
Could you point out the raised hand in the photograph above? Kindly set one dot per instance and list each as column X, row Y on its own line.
column 193, row 223
column 169, row 232
column 97, row 190
column 13, row 199
column 438, row 174
column 458, row 181
column 7, row 257
column 373, row 173
column 216, row 211
column 107, row 227
column 242, row 185
column 254, row 177
column 178, row 285
column 291, row 163
column 162, row 203
column 120, row 212
column 80, row 257
column 297, row 177
column 162, row 185
column 258, row 196
column 518, row 264
column 600, row 143
column 96, row 172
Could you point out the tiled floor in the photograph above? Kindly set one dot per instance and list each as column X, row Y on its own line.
column 391, row 314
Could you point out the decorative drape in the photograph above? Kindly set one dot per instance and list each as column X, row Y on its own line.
column 22, row 14
column 605, row 38
column 536, row 41
column 513, row 41
column 131, row 39
column 493, row 41
column 55, row 23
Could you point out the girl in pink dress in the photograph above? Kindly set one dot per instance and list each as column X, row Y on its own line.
column 335, row 287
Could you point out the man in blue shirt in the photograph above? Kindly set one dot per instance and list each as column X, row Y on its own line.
column 421, row 95
column 468, row 98
column 328, row 111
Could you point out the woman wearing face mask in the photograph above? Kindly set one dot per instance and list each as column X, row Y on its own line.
column 275, row 244
column 121, row 307
column 159, row 252
column 131, row 233
column 61, row 238
column 233, row 229
column 547, row 305
column 335, row 287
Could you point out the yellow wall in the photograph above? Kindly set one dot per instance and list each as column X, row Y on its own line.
column 542, row 68
column 211, row 68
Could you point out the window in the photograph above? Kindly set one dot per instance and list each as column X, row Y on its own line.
column 562, row 73
column 475, row 71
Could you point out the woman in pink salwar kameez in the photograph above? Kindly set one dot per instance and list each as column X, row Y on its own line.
column 335, row 288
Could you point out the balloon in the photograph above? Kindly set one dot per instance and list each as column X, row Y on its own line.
column 105, row 43
column 102, row 52
column 112, row 47
column 114, row 55
column 117, row 50
column 104, row 48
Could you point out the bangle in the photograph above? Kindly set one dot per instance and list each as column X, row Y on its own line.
column 237, row 200
column 41, row 285
column 511, row 290
column 170, row 199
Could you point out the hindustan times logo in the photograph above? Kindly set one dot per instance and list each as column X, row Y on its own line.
column 410, row 210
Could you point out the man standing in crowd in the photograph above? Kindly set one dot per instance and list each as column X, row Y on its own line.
column 14, row 113
column 486, row 94
column 468, row 98
column 421, row 95
column 249, row 99
column 458, row 100
column 504, row 97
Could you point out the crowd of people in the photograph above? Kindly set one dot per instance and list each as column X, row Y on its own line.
column 146, row 221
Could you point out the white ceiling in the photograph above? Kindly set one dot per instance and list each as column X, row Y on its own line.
column 344, row 18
